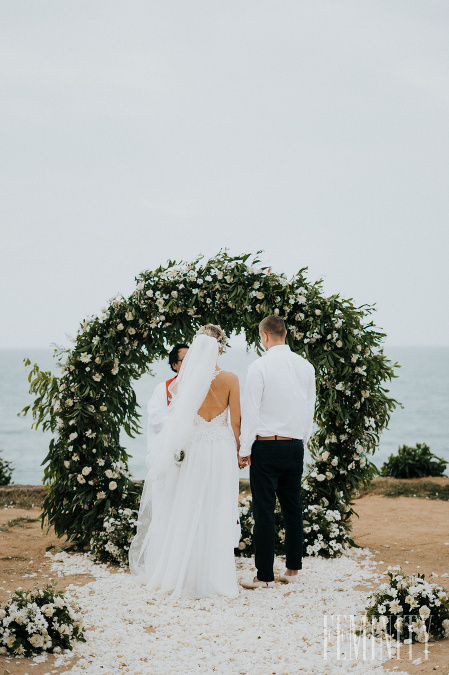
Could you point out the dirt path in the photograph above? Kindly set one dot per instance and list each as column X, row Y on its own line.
column 22, row 564
column 402, row 531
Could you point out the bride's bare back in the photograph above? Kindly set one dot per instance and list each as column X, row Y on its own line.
column 224, row 392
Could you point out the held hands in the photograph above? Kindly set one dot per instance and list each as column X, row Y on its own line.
column 244, row 461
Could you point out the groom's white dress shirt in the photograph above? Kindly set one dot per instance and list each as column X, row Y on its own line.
column 279, row 398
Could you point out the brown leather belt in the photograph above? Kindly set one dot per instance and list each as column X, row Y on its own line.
column 274, row 438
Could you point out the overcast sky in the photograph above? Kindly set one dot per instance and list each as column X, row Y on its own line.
column 134, row 132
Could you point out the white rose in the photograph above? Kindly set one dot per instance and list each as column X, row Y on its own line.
column 174, row 294
column 140, row 286
column 149, row 293
column 339, row 343
column 334, row 461
column 36, row 640
column 108, row 473
column 321, row 477
column 112, row 485
column 86, row 470
column 424, row 612
column 48, row 610
column 73, row 436
column 67, row 464
column 131, row 330
column 318, row 312
column 324, row 456
column 120, row 326
column 80, row 479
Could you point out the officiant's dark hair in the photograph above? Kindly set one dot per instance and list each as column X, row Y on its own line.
column 273, row 325
column 173, row 357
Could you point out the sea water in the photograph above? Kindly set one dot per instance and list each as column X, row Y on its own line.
column 422, row 387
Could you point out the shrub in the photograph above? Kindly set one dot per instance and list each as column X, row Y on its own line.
column 37, row 621
column 5, row 471
column 413, row 463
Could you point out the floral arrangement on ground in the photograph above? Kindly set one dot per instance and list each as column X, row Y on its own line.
column 90, row 402
column 39, row 620
column 324, row 532
column 111, row 543
column 407, row 608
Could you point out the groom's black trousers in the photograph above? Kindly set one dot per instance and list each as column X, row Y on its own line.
column 276, row 469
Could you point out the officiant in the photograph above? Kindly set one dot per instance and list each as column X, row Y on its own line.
column 159, row 402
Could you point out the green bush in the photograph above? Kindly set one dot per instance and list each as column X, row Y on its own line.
column 5, row 471
column 413, row 463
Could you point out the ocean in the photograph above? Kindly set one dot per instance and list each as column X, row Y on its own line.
column 422, row 387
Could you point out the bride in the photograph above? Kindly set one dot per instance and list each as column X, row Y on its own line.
column 188, row 511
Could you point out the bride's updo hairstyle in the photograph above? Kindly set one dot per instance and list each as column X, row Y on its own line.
column 213, row 331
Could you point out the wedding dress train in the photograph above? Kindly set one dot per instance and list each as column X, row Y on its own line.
column 195, row 542
column 189, row 509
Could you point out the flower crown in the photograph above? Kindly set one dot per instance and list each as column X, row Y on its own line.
column 221, row 340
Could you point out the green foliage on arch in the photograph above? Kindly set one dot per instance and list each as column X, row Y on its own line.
column 86, row 469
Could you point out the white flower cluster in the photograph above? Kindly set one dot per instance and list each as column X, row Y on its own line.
column 111, row 543
column 324, row 533
column 38, row 621
column 408, row 608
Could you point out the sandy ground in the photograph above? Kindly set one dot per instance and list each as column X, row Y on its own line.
column 402, row 531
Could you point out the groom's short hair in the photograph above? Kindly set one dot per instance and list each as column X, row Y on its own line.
column 273, row 325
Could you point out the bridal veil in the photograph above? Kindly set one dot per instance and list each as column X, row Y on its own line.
column 189, row 391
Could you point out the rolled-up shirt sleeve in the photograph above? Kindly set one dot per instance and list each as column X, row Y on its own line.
column 311, row 398
column 252, row 398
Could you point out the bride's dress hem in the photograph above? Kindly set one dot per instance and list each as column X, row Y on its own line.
column 188, row 551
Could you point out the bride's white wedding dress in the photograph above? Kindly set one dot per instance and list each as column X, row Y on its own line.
column 188, row 547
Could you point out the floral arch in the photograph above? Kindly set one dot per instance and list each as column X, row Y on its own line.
column 86, row 471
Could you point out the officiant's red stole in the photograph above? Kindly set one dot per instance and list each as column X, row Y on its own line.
column 169, row 395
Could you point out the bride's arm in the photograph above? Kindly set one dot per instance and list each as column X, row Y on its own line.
column 234, row 407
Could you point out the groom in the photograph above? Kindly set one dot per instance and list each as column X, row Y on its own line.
column 277, row 417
